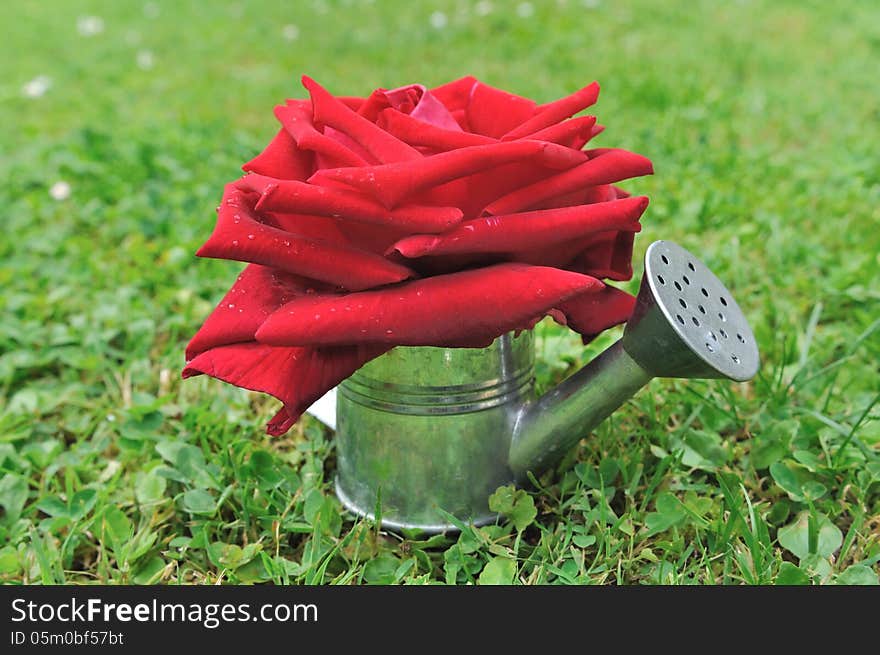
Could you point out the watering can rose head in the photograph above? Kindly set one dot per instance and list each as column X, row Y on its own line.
column 442, row 217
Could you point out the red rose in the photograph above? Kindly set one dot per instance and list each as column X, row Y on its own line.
column 441, row 217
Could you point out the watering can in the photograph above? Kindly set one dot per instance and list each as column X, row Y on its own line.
column 424, row 434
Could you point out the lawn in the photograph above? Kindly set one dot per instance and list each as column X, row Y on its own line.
column 121, row 121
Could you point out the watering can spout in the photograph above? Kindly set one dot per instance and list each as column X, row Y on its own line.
column 685, row 324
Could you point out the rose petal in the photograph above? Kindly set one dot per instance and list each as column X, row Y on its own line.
column 391, row 183
column 553, row 112
column 381, row 145
column 473, row 192
column 283, row 159
column 464, row 306
column 456, row 95
column 240, row 236
column 591, row 313
column 281, row 422
column 295, row 376
column 373, row 238
column 301, row 198
column 460, row 116
column 377, row 101
column 603, row 167
column 298, row 123
column 580, row 196
column 321, row 228
column 431, row 111
column 537, row 229
column 416, row 133
column 580, row 142
column 352, row 102
column 493, row 112
column 257, row 292
column 607, row 255
column 567, row 133
column 412, row 100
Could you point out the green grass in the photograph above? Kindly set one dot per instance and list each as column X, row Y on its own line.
column 762, row 121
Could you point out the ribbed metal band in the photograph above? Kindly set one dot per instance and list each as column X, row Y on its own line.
column 432, row 401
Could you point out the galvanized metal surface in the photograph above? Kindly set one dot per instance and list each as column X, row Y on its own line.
column 422, row 432
column 548, row 428
column 423, row 429
column 686, row 323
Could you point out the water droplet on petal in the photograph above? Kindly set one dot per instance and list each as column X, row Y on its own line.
column 250, row 236
column 235, row 242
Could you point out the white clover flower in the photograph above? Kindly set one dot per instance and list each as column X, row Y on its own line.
column 145, row 60
column 439, row 20
column 37, row 87
column 525, row 9
column 89, row 25
column 483, row 8
column 290, row 32
column 60, row 190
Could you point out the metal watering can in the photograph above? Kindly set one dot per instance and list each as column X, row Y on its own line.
column 424, row 431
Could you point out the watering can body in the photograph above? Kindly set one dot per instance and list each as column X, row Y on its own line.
column 425, row 435
column 425, row 432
